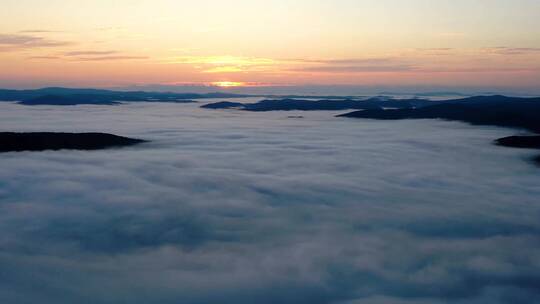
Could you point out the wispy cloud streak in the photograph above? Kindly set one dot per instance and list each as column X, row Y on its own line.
column 15, row 42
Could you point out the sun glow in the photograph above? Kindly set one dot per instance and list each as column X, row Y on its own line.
column 228, row 84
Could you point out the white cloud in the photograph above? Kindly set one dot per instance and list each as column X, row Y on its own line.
column 239, row 207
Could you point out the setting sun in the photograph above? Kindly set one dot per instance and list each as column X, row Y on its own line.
column 228, row 84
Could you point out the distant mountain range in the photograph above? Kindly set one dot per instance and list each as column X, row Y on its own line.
column 67, row 96
column 67, row 100
column 54, row 96
column 373, row 103
column 291, row 104
column 483, row 110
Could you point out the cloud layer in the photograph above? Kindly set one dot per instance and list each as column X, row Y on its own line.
column 237, row 207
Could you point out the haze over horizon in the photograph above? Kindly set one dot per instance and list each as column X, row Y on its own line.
column 253, row 44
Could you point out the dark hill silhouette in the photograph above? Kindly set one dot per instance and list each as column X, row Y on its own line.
column 375, row 104
column 289, row 104
column 16, row 142
column 527, row 142
column 304, row 105
column 25, row 95
column 223, row 105
column 60, row 100
column 485, row 110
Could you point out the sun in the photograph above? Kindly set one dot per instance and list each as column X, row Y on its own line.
column 228, row 84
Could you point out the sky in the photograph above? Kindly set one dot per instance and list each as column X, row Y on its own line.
column 113, row 43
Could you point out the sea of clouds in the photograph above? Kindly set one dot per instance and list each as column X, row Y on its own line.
column 239, row 207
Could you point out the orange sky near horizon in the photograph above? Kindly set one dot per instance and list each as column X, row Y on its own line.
column 343, row 42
